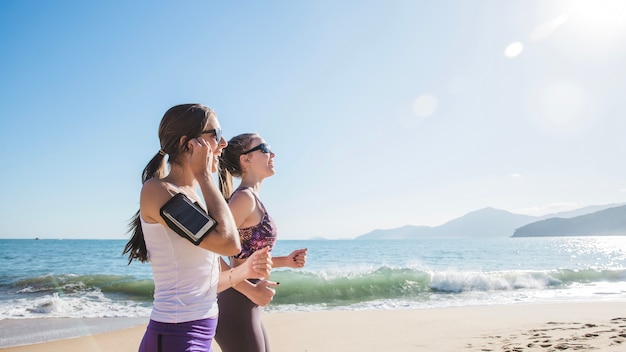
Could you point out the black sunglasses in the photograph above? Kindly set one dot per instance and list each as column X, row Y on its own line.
column 217, row 131
column 264, row 147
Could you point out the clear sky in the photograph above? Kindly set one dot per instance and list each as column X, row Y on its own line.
column 381, row 113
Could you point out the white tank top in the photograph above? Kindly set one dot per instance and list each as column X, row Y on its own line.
column 185, row 276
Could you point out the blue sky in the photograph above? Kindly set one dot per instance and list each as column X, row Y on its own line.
column 382, row 113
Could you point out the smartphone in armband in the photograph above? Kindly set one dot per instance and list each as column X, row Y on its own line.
column 187, row 219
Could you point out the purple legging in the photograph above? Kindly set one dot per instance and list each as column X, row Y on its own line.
column 191, row 336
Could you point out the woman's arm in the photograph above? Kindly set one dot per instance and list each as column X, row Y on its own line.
column 296, row 259
column 224, row 239
column 257, row 266
column 260, row 293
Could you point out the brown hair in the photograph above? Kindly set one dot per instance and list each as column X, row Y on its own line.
column 230, row 163
column 181, row 120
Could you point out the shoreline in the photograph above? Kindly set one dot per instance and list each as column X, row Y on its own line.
column 525, row 326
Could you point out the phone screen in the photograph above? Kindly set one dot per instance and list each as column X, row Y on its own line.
column 194, row 221
column 187, row 219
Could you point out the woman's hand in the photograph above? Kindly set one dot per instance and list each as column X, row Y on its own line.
column 297, row 258
column 200, row 156
column 262, row 293
column 259, row 264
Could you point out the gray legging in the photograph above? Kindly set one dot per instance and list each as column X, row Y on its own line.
column 239, row 327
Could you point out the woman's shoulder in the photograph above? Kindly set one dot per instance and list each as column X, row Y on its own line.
column 154, row 193
column 242, row 194
column 242, row 201
column 156, row 190
column 155, row 185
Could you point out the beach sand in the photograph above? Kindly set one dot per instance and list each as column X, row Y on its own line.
column 598, row 326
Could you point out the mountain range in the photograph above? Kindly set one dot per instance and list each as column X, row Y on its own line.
column 495, row 223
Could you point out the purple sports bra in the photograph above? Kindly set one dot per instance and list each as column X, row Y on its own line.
column 258, row 236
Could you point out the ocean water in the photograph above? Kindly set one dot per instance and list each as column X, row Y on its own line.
column 90, row 278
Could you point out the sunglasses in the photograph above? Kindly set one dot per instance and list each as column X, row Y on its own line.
column 263, row 147
column 217, row 131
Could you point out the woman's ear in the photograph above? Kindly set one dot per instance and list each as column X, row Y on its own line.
column 243, row 159
column 183, row 143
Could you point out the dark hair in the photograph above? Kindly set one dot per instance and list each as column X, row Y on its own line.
column 187, row 120
column 230, row 163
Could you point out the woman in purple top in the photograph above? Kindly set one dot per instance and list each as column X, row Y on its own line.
column 240, row 328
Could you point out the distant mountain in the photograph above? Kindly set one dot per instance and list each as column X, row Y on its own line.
column 580, row 211
column 486, row 222
column 400, row 233
column 607, row 222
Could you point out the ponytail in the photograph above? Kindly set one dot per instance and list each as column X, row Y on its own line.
column 136, row 246
column 225, row 182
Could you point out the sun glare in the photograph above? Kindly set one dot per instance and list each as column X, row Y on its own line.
column 545, row 29
column 513, row 49
column 412, row 114
column 560, row 108
column 425, row 105
column 599, row 17
column 595, row 29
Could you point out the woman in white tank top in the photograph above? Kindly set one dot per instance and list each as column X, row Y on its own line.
column 187, row 276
